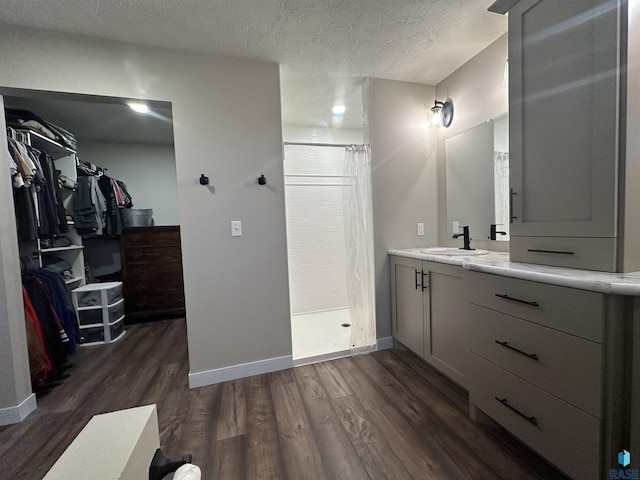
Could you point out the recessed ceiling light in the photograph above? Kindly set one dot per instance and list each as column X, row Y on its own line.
column 339, row 109
column 139, row 107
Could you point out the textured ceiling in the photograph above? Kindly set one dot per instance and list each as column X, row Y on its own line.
column 318, row 41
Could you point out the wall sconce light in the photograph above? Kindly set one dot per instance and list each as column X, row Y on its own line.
column 442, row 113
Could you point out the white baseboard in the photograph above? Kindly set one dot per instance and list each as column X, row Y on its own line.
column 384, row 343
column 233, row 372
column 209, row 377
column 18, row 413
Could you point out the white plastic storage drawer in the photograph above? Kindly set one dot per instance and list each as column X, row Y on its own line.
column 90, row 298
column 97, row 334
column 93, row 315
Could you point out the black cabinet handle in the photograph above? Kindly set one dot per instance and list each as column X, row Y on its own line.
column 556, row 252
column 424, row 284
column 512, row 217
column 417, row 285
column 513, row 299
column 533, row 356
column 504, row 402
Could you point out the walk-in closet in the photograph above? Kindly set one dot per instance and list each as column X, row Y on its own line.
column 95, row 200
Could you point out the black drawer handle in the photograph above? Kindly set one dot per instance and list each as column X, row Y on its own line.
column 417, row 285
column 504, row 402
column 506, row 345
column 512, row 217
column 424, row 284
column 513, row 299
column 556, row 252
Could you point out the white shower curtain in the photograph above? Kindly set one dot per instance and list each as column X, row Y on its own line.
column 359, row 246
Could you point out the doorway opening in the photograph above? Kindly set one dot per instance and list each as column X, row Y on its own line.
column 330, row 245
column 135, row 154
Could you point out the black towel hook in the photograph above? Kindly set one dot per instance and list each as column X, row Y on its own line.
column 262, row 180
column 204, row 180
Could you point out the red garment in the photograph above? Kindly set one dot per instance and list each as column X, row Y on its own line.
column 39, row 361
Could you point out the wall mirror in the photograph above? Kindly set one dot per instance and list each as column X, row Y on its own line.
column 477, row 179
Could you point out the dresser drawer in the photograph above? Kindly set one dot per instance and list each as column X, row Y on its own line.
column 570, row 310
column 566, row 436
column 156, row 236
column 139, row 303
column 153, row 254
column 153, row 273
column 562, row 364
column 171, row 287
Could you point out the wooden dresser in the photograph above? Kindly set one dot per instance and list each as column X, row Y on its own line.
column 152, row 272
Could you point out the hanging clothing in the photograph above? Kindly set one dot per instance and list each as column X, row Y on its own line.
column 52, row 330
column 98, row 202
column 113, row 222
column 39, row 362
column 35, row 185
column 25, row 211
column 84, row 211
column 61, row 302
column 53, row 186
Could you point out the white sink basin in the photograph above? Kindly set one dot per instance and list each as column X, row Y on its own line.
column 453, row 252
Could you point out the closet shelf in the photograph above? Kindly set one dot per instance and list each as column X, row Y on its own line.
column 73, row 280
column 61, row 249
column 52, row 147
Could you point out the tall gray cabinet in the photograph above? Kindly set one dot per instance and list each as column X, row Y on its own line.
column 574, row 80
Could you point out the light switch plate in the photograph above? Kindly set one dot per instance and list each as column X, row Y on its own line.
column 236, row 228
column 420, row 229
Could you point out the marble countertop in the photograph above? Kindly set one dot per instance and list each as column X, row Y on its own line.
column 498, row 263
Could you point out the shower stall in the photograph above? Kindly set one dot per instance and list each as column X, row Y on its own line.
column 330, row 249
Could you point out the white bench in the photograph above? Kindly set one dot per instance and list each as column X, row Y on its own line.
column 112, row 446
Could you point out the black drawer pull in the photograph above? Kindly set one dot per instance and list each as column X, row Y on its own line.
column 513, row 299
column 557, row 252
column 504, row 402
column 506, row 345
column 417, row 285
column 424, row 284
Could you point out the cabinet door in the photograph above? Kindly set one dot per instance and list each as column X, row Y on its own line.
column 563, row 113
column 406, row 303
column 446, row 344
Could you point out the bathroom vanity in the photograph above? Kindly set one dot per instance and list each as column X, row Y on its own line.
column 544, row 351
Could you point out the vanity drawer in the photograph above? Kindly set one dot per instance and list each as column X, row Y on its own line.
column 578, row 312
column 564, row 435
column 577, row 252
column 562, row 364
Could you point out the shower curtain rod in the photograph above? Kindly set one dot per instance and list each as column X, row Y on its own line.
column 311, row 144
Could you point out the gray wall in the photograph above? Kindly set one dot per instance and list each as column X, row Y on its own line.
column 226, row 125
column 15, row 379
column 403, row 158
column 478, row 95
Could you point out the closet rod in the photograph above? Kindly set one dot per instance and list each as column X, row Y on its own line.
column 311, row 144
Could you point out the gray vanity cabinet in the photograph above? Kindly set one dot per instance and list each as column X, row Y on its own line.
column 407, row 303
column 567, row 97
column 429, row 313
column 546, row 365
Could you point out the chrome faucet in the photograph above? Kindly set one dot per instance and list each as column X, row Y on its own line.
column 467, row 239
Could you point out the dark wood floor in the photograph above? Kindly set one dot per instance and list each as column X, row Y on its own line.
column 385, row 415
